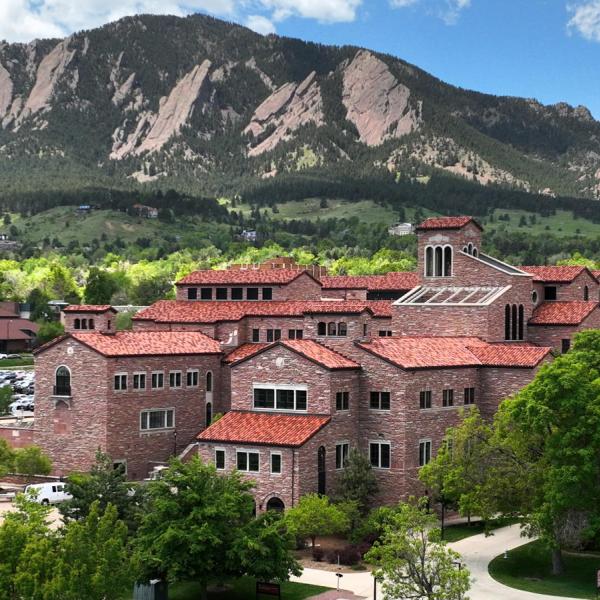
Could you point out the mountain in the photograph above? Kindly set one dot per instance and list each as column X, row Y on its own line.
column 204, row 106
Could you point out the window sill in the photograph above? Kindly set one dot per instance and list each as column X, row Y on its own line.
column 163, row 430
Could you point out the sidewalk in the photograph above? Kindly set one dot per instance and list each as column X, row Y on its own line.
column 352, row 585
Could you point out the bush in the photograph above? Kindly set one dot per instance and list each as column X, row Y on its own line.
column 332, row 557
column 318, row 554
column 350, row 555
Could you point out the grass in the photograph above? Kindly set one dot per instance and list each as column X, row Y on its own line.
column 25, row 361
column 244, row 589
column 460, row 531
column 529, row 568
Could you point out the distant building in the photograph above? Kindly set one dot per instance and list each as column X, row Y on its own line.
column 147, row 212
column 16, row 334
column 248, row 235
column 84, row 209
column 400, row 229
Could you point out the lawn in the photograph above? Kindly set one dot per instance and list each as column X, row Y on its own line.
column 453, row 533
column 528, row 568
column 24, row 361
column 244, row 589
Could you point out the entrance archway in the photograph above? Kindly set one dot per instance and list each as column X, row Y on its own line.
column 275, row 504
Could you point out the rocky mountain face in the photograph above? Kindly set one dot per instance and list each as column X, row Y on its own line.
column 196, row 101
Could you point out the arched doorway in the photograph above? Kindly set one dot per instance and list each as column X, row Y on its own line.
column 276, row 504
column 321, row 485
column 208, row 413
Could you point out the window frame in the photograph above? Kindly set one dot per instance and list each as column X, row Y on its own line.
column 192, row 293
column 343, row 455
column 278, row 387
column 255, row 335
column 425, row 399
column 157, row 387
column 280, row 455
column 239, row 451
column 425, row 443
column 448, row 398
column 380, row 443
column 344, row 405
column 255, row 293
column 379, row 406
column 120, row 374
column 273, row 335
column 187, row 378
column 237, row 291
column 469, row 396
column 267, row 293
column 175, row 387
column 224, row 467
column 221, row 293
column 138, row 374
column 165, row 411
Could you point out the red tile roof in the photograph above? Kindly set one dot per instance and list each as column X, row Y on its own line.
column 447, row 352
column 313, row 351
column 146, row 343
column 390, row 281
column 596, row 273
column 264, row 428
column 199, row 311
column 554, row 274
column 569, row 312
column 243, row 277
column 447, row 223
column 91, row 308
column 17, row 329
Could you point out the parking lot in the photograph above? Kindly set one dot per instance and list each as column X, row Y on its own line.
column 21, row 383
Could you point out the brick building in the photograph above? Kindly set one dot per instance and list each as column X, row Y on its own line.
column 306, row 366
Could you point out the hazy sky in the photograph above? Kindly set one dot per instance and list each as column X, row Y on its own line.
column 544, row 49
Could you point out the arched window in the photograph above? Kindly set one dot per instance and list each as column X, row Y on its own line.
column 586, row 293
column 438, row 261
column 507, row 322
column 513, row 318
column 83, row 323
column 275, row 504
column 322, row 328
column 209, row 381
column 342, row 329
column 331, row 328
column 208, row 413
column 447, row 261
column 429, row 261
column 470, row 248
column 62, row 381
column 91, row 324
column 534, row 297
column 466, row 250
column 77, row 324
column 521, row 321
column 474, row 251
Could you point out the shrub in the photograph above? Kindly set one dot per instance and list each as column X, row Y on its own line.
column 349, row 555
column 332, row 557
column 318, row 553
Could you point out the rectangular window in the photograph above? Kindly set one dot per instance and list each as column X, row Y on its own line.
column 565, row 345
column 192, row 378
column 275, row 463
column 380, row 401
column 175, row 379
column 237, row 293
column 121, row 381
column 205, row 293
column 192, row 293
column 425, row 399
column 267, row 293
column 157, row 419
column 550, row 292
column 379, row 453
column 264, row 398
column 220, row 459
column 256, row 335
column 300, row 399
column 221, row 294
column 247, row 461
column 158, row 380
column 470, row 395
column 285, row 400
column 280, row 398
column 139, row 381
column 424, row 452
column 448, row 398
column 252, row 294
column 295, row 334
column 342, row 450
column 273, row 335
column 385, row 333
column 342, row 400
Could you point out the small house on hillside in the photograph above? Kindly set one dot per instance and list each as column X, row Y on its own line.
column 146, row 212
column 400, row 229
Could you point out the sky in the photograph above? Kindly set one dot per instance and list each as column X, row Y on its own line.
column 543, row 49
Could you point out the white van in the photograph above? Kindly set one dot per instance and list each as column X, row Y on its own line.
column 49, row 493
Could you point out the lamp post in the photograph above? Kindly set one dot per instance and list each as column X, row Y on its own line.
column 459, row 566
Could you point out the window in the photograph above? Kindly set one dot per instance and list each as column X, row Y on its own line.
column 275, row 463
column 280, row 398
column 192, row 378
column 175, row 379
column 565, row 345
column 121, row 381
column 438, row 261
column 139, row 381
column 220, row 459
column 83, row 323
column 385, row 333
column 342, row 329
column 379, row 454
column 380, row 401
column 429, row 261
column 342, row 450
column 514, row 322
column 322, row 328
column 77, row 324
column 158, row 380
column 121, row 466
column 209, row 381
column 331, row 329
column 295, row 334
column 342, row 401
column 221, row 294
column 237, row 293
column 91, row 324
column 108, row 324
column 365, row 329
column 252, row 294
column 62, row 381
column 424, row 452
column 273, row 335
column 192, row 293
column 534, row 297
column 267, row 293
column 247, row 461
column 469, row 395
column 586, row 293
column 447, row 261
column 448, row 398
column 256, row 335
column 550, row 292
column 205, row 293
column 157, row 419
column 425, row 399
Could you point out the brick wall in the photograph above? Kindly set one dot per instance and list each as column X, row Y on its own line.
column 16, row 436
column 552, row 335
column 101, row 320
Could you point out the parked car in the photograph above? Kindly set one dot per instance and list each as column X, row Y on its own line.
column 13, row 356
column 3, row 356
column 49, row 493
column 21, row 406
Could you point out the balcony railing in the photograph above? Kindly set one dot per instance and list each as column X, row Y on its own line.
column 62, row 390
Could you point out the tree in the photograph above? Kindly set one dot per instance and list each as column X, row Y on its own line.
column 100, row 287
column 32, row 461
column 200, row 526
column 413, row 561
column 49, row 331
column 5, row 399
column 357, row 482
column 104, row 485
column 314, row 515
column 7, row 457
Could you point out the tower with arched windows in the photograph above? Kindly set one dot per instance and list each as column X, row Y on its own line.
column 90, row 317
